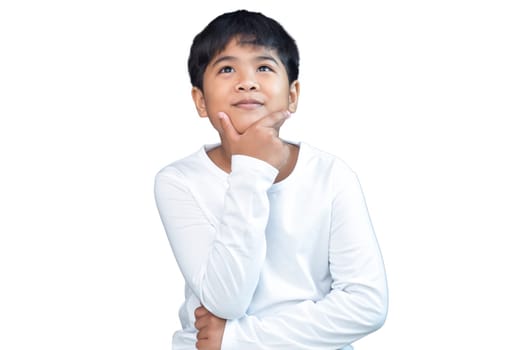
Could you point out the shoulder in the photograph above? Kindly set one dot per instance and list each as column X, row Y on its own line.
column 325, row 161
column 181, row 169
column 327, row 169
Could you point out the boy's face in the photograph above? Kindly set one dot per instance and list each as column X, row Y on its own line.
column 246, row 82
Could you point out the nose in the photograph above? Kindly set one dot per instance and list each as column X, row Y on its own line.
column 247, row 83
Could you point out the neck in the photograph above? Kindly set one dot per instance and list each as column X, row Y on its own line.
column 221, row 156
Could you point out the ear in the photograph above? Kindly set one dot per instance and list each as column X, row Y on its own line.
column 293, row 99
column 199, row 100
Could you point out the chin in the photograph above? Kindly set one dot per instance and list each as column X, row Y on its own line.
column 245, row 122
column 241, row 129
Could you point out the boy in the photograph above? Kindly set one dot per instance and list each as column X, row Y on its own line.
column 273, row 238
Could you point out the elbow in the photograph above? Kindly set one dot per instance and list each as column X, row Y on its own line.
column 369, row 306
column 378, row 313
column 229, row 309
column 233, row 313
column 379, row 317
column 229, row 304
column 380, row 305
column 228, row 295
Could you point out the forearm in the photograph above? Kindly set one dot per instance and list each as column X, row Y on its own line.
column 238, row 251
column 331, row 323
column 220, row 255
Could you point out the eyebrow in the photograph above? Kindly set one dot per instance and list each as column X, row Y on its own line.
column 257, row 58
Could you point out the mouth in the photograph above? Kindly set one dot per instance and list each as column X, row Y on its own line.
column 248, row 104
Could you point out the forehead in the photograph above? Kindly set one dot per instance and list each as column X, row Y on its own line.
column 238, row 48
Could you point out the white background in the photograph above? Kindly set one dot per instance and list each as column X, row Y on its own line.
column 427, row 101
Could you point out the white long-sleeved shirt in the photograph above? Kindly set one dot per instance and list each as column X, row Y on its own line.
column 290, row 265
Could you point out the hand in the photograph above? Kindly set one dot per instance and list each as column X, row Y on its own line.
column 260, row 140
column 210, row 329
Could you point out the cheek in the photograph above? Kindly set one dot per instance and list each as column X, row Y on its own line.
column 216, row 96
column 281, row 99
column 215, row 123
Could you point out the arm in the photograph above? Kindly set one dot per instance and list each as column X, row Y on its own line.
column 357, row 302
column 220, row 264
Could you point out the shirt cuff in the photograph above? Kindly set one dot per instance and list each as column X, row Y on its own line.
column 258, row 168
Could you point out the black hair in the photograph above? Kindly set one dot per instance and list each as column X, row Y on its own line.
column 250, row 28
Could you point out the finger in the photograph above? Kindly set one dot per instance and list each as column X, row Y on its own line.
column 273, row 120
column 201, row 322
column 200, row 311
column 227, row 129
column 201, row 334
column 201, row 344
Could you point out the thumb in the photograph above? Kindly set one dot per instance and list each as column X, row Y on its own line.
column 227, row 129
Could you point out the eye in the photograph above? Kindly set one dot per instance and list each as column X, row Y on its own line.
column 265, row 69
column 226, row 69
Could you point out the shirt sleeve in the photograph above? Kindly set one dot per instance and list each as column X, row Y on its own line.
column 220, row 263
column 357, row 302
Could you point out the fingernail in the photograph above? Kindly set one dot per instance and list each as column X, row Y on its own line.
column 288, row 114
column 222, row 115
